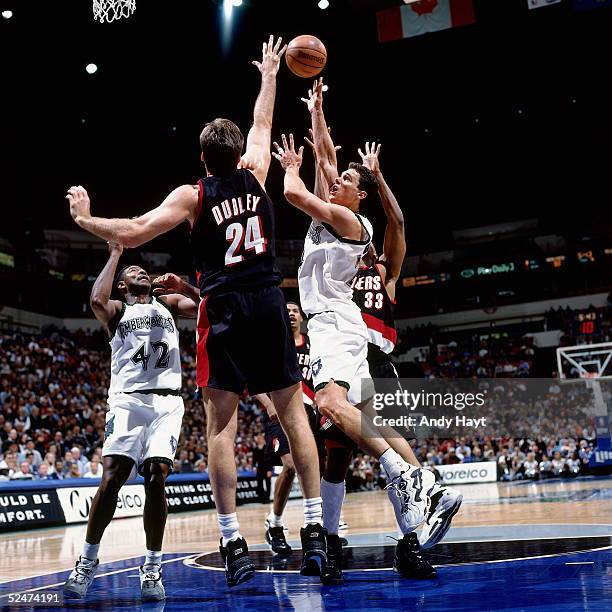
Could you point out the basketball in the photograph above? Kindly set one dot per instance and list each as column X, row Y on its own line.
column 306, row 56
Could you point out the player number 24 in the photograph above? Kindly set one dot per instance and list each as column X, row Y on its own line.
column 142, row 357
column 251, row 236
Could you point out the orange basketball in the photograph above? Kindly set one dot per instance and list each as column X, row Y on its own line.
column 306, row 56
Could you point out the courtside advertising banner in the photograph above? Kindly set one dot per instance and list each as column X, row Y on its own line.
column 76, row 502
column 467, row 473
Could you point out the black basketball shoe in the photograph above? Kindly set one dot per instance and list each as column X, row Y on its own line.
column 275, row 537
column 332, row 573
column 238, row 565
column 313, row 550
column 409, row 560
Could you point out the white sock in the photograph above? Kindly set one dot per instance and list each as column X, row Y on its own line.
column 228, row 523
column 313, row 511
column 275, row 520
column 153, row 557
column 393, row 464
column 333, row 498
column 90, row 551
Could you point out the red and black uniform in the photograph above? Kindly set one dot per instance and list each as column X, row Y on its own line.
column 303, row 355
column 370, row 294
column 277, row 444
column 243, row 331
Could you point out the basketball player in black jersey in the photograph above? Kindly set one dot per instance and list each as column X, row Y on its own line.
column 278, row 451
column 242, row 308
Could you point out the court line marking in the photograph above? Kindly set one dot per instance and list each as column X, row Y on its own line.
column 120, row 571
column 580, row 563
column 383, row 569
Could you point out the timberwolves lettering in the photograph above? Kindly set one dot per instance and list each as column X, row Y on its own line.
column 234, row 207
column 127, row 327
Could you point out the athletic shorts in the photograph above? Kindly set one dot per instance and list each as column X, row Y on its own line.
column 144, row 427
column 244, row 339
column 277, row 443
column 339, row 350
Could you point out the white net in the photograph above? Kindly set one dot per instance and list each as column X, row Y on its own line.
column 111, row 10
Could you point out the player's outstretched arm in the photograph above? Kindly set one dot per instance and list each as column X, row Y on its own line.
column 180, row 205
column 394, row 248
column 257, row 155
column 180, row 296
column 103, row 307
column 324, row 145
column 320, row 188
column 341, row 219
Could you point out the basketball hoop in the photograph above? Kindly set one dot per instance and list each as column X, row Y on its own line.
column 111, row 10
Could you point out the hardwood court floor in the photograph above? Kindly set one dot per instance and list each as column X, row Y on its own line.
column 510, row 511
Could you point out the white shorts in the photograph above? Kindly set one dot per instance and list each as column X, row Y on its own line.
column 339, row 350
column 143, row 426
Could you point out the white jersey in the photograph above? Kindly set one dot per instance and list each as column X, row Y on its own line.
column 145, row 349
column 329, row 264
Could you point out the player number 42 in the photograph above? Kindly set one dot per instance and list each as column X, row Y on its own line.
column 251, row 236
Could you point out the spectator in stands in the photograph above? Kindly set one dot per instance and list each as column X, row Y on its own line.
column 546, row 468
column 74, row 470
column 202, row 466
column 558, row 464
column 24, row 473
column 531, row 468
column 59, row 469
column 31, row 451
column 79, row 458
column 4, row 471
column 43, row 473
column 186, row 465
column 94, row 469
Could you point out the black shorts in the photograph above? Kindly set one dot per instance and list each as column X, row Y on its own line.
column 277, row 443
column 244, row 340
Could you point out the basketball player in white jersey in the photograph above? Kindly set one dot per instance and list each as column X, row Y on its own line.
column 337, row 239
column 145, row 413
column 376, row 300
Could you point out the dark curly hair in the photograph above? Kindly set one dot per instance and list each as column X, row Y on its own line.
column 367, row 180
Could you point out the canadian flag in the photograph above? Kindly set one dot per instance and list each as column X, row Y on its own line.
column 422, row 17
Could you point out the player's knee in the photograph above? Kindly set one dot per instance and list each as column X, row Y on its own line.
column 289, row 470
column 112, row 481
column 155, row 477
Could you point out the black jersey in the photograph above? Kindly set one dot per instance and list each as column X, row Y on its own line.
column 370, row 294
column 303, row 354
column 232, row 239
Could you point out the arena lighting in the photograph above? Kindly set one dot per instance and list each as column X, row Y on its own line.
column 325, row 87
column 227, row 9
column 237, row 2
column 91, row 68
column 323, row 4
column 7, row 14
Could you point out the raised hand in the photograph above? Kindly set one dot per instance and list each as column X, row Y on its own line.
column 79, row 202
column 315, row 96
column 370, row 157
column 310, row 142
column 167, row 283
column 114, row 248
column 271, row 54
column 287, row 155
